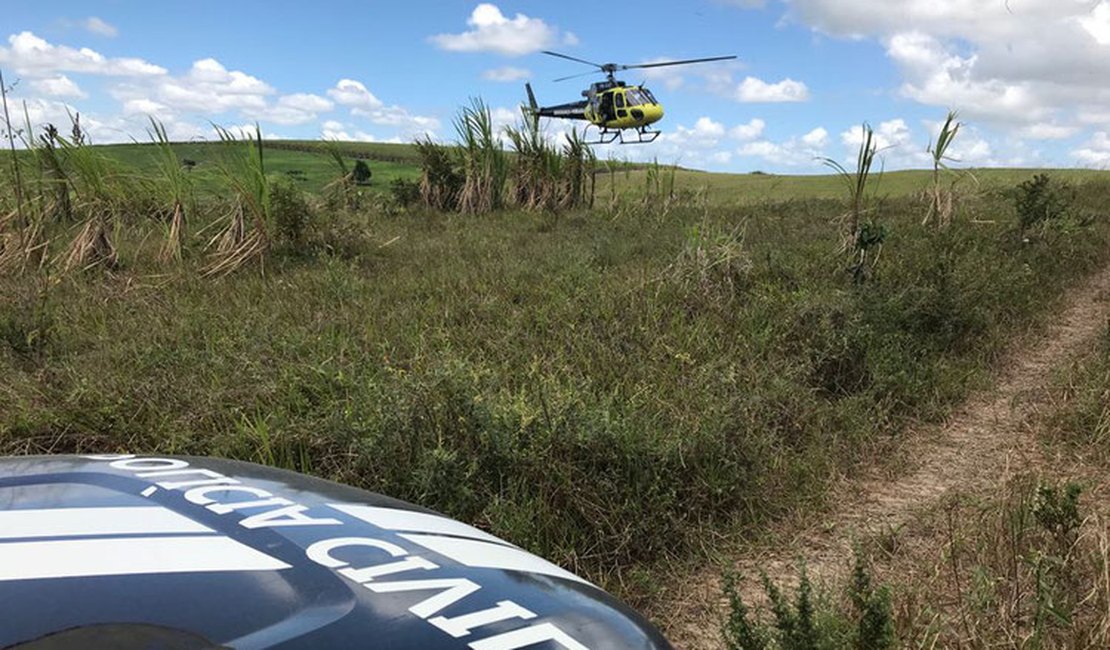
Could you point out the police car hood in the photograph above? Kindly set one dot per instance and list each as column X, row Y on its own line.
column 239, row 555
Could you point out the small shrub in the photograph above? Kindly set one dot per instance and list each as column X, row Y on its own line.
column 361, row 173
column 291, row 213
column 739, row 630
column 404, row 192
column 874, row 613
column 1057, row 511
column 810, row 620
column 1042, row 199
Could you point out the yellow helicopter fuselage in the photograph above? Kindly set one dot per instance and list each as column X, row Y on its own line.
column 612, row 107
column 623, row 107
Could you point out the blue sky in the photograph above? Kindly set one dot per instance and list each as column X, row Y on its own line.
column 1027, row 75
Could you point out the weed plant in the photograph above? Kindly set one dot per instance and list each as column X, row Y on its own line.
column 941, row 198
column 813, row 619
column 1026, row 568
column 1080, row 420
column 856, row 182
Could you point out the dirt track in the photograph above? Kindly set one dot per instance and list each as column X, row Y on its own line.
column 982, row 439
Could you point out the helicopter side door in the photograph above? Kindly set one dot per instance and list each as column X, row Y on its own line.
column 606, row 111
column 618, row 102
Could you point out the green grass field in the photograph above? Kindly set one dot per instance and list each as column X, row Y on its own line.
column 389, row 161
column 607, row 387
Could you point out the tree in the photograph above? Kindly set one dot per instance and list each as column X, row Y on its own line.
column 361, row 173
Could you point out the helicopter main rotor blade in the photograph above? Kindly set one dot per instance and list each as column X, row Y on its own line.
column 684, row 62
column 571, row 58
column 575, row 76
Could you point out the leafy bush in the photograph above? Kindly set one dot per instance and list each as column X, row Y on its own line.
column 1042, row 199
column 361, row 173
column 290, row 212
column 812, row 621
column 404, row 191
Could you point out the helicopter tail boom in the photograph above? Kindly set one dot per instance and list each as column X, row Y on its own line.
column 571, row 111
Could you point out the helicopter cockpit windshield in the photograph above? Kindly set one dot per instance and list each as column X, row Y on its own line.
column 638, row 97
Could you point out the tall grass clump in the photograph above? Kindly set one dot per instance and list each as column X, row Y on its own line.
column 1029, row 567
column 441, row 180
column 9, row 134
column 941, row 199
column 342, row 192
column 23, row 239
column 482, row 160
column 245, row 236
column 105, row 193
column 173, row 186
column 856, row 182
column 659, row 186
column 545, row 176
column 1081, row 418
column 55, row 183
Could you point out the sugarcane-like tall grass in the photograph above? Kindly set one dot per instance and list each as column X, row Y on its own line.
column 174, row 185
column 546, row 177
column 856, row 182
column 441, row 182
column 536, row 167
column 104, row 193
column 243, row 167
column 341, row 191
column 483, row 160
column 940, row 199
column 579, row 171
column 17, row 179
column 23, row 243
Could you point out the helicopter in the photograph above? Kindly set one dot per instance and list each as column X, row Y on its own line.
column 611, row 105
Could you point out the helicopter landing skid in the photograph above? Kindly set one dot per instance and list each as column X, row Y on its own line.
column 644, row 135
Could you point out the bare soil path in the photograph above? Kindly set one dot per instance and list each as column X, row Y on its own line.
column 983, row 438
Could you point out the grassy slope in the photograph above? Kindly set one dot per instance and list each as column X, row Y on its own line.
column 389, row 161
column 386, row 161
column 601, row 390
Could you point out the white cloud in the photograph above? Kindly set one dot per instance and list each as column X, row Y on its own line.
column 749, row 131
column 100, row 27
column 399, row 118
column 31, row 56
column 335, row 131
column 208, row 88
column 349, row 92
column 889, row 134
column 798, row 151
column 753, row 90
column 506, row 74
column 670, row 77
column 297, row 108
column 142, row 106
column 58, row 86
column 787, row 154
column 817, row 138
column 306, row 102
column 1015, row 64
column 940, row 78
column 1097, row 24
column 1096, row 152
column 492, row 31
column 1048, row 131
